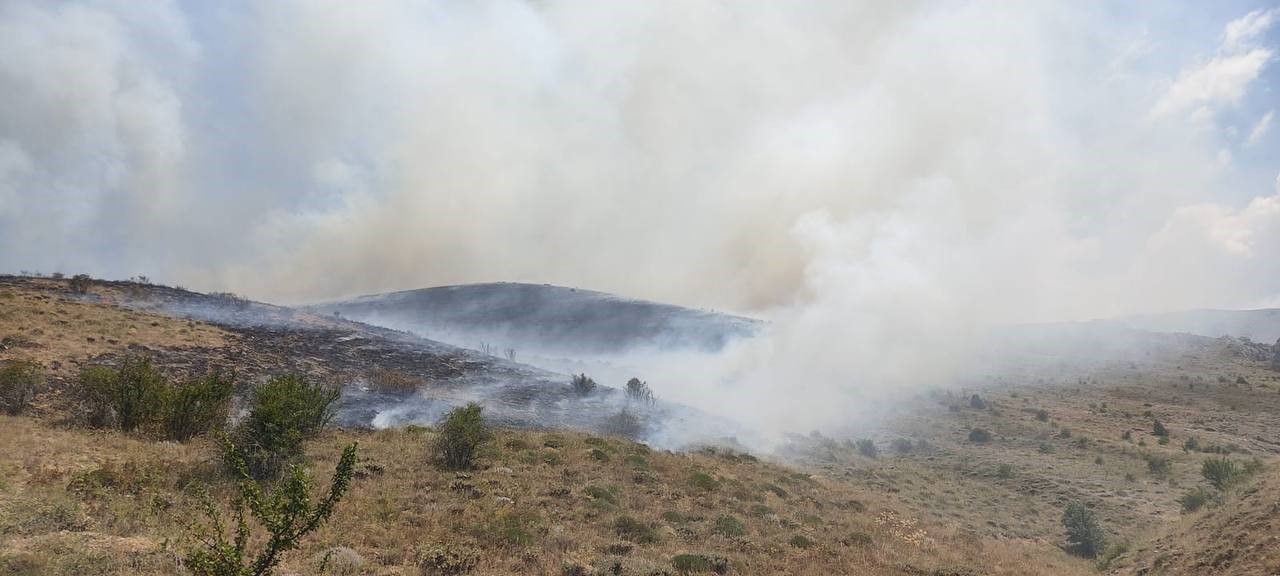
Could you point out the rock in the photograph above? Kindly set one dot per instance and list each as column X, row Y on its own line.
column 504, row 470
column 504, row 501
column 1275, row 358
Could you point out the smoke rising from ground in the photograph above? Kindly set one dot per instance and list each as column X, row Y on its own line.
column 880, row 180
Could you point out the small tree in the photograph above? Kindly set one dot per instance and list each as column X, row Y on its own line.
column 287, row 514
column 1220, row 472
column 582, row 385
column 19, row 382
column 461, row 434
column 1083, row 532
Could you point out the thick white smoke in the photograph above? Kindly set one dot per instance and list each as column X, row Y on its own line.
column 879, row 179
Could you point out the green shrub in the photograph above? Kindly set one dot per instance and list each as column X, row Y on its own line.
column 582, row 385
column 799, row 541
column 867, row 447
column 979, row 436
column 461, row 434
column 728, row 526
column 124, row 398
column 1220, row 472
column 509, row 528
column 19, row 382
column 447, row 560
column 1158, row 429
column 196, row 406
column 607, row 495
column 697, row 563
column 1083, row 532
column 1004, row 471
column 703, row 481
column 634, row 530
column 287, row 515
column 283, row 412
column 1158, row 465
column 1195, row 498
column 1191, row 444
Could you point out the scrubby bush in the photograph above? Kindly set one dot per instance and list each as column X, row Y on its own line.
column 703, row 481
column 582, row 385
column 639, row 391
column 1158, row 429
column 124, row 398
column 287, row 514
column 1195, row 498
column 80, row 283
column 1004, row 471
column 1158, row 465
column 867, row 447
column 392, row 382
column 1191, row 444
column 902, row 445
column 283, row 412
column 976, row 402
column 196, row 406
column 979, row 436
column 1042, row 415
column 728, row 526
column 634, row 530
column 1220, row 472
column 1083, row 532
column 801, row 542
column 462, row 432
column 19, row 382
column 623, row 424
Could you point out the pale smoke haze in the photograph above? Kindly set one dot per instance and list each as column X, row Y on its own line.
column 880, row 180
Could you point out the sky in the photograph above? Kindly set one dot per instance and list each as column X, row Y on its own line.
column 906, row 164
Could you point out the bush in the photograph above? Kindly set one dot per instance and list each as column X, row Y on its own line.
column 623, row 424
column 392, row 382
column 901, row 445
column 1042, row 415
column 287, row 514
column 728, row 526
column 125, row 398
column 80, row 283
column 979, row 436
column 1159, row 466
column 1159, row 430
column 799, row 541
column 196, row 406
column 639, row 391
column 461, row 434
column 1220, row 472
column 977, row 402
column 694, row 563
column 634, row 530
column 582, row 385
column 19, row 382
column 1195, row 498
column 1004, row 471
column 703, row 481
column 1083, row 532
column 1191, row 444
column 282, row 414
column 867, row 447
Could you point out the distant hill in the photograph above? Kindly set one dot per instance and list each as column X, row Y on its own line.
column 543, row 318
column 1258, row 325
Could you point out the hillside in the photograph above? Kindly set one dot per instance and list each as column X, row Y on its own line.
column 543, row 319
column 560, row 491
column 1260, row 325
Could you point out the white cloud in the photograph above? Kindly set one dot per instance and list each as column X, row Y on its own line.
column 1223, row 79
column 1241, row 32
column 1261, row 129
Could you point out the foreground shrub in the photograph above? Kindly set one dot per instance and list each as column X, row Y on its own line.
column 1083, row 532
column 287, row 515
column 695, row 563
column 197, row 406
column 282, row 414
column 1220, row 472
column 461, row 434
column 124, row 398
column 19, row 382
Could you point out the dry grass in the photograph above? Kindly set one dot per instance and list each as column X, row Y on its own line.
column 43, row 321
